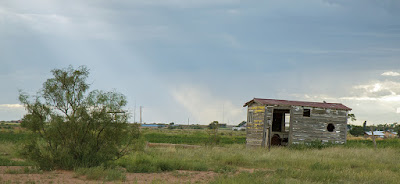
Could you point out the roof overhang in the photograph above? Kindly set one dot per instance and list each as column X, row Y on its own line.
column 275, row 102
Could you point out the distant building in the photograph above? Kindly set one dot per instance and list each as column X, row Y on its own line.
column 381, row 134
column 222, row 125
column 377, row 134
column 238, row 128
column 152, row 126
column 389, row 134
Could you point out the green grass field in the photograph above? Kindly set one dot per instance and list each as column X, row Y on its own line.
column 355, row 162
column 195, row 137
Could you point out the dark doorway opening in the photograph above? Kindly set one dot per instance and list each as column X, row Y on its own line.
column 278, row 122
column 280, row 127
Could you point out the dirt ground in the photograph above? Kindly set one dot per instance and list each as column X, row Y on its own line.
column 60, row 176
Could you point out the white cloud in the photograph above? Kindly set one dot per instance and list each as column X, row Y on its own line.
column 11, row 111
column 11, row 106
column 391, row 73
column 398, row 110
column 377, row 99
column 378, row 89
column 45, row 23
column 206, row 108
column 59, row 23
column 90, row 24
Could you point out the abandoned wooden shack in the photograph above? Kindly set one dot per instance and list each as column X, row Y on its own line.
column 283, row 122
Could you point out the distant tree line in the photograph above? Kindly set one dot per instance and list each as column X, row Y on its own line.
column 356, row 130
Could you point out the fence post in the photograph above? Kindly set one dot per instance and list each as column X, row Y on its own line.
column 373, row 137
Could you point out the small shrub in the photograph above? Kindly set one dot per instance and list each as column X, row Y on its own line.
column 316, row 144
column 101, row 173
column 8, row 162
column 72, row 127
column 196, row 166
column 140, row 163
column 236, row 159
column 213, row 137
column 166, row 165
column 225, row 169
column 197, row 127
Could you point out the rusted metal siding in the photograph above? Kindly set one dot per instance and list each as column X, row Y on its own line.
column 324, row 105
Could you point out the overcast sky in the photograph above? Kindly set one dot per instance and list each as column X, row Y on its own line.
column 203, row 59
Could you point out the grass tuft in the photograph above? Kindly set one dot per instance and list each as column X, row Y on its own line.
column 101, row 173
column 25, row 170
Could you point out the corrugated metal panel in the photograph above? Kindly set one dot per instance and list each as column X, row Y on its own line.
column 338, row 106
column 376, row 133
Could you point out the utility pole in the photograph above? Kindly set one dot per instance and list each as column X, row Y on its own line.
column 188, row 121
column 223, row 113
column 134, row 113
column 141, row 114
column 373, row 136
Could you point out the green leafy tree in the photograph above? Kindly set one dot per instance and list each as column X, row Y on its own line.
column 72, row 127
column 352, row 117
column 213, row 133
column 213, row 125
column 357, row 131
column 241, row 124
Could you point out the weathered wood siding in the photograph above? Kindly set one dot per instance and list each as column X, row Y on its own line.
column 267, row 125
column 303, row 129
column 255, row 124
column 315, row 127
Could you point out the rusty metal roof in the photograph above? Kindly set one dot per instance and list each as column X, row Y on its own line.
column 324, row 105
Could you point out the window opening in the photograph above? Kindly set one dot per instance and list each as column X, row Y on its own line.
column 250, row 117
column 330, row 127
column 287, row 121
column 279, row 120
column 307, row 112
